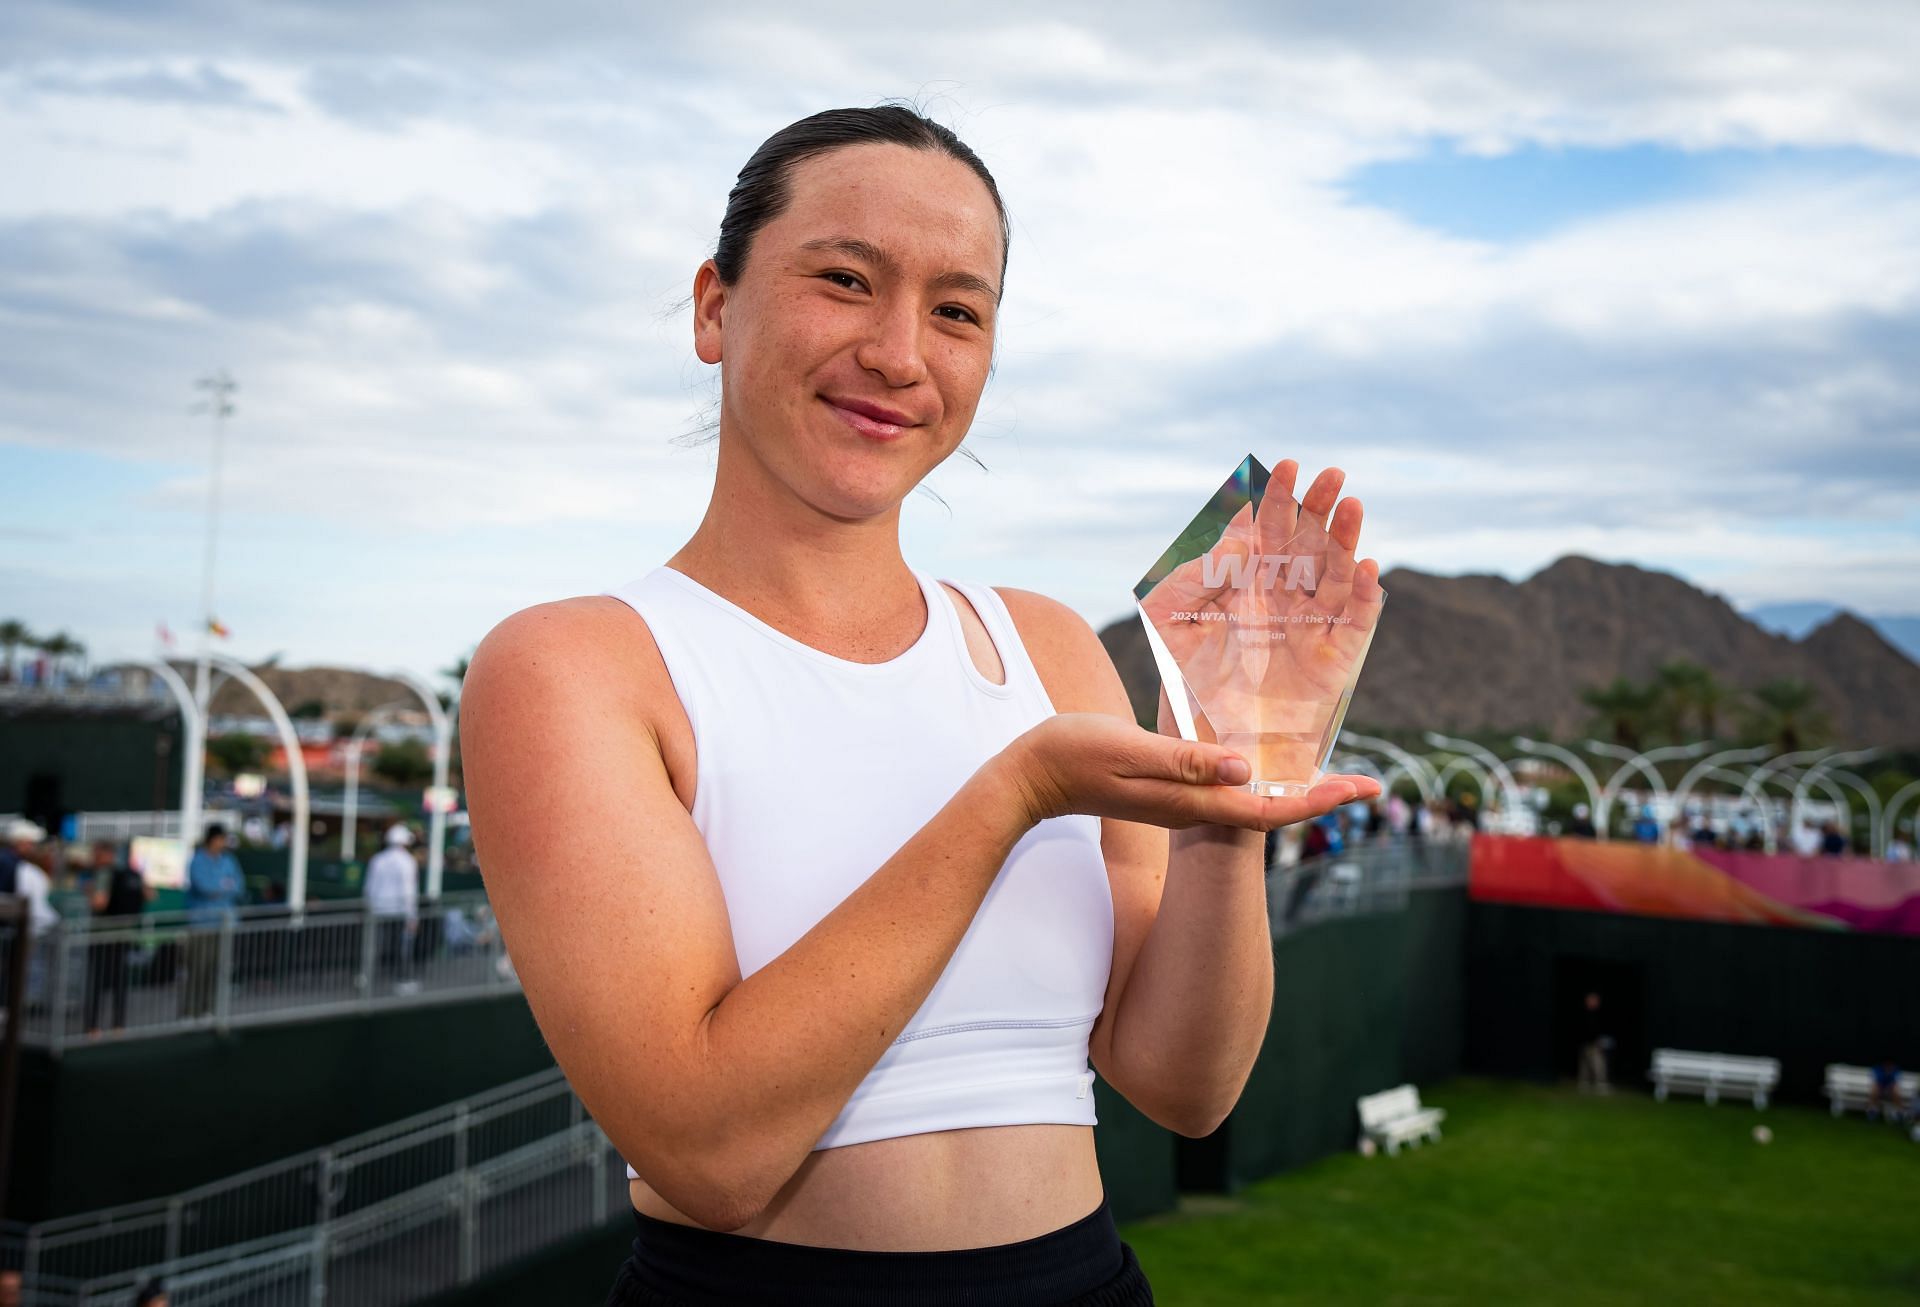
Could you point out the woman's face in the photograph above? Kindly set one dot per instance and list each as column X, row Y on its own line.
column 859, row 335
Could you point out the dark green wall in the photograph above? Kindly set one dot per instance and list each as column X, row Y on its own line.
column 1807, row 997
column 1136, row 1157
column 1360, row 1004
column 103, row 763
column 116, row 1122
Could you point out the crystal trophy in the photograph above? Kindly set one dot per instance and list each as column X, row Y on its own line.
column 1259, row 620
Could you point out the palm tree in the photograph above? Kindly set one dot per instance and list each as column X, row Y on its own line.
column 457, row 673
column 13, row 634
column 1692, row 691
column 1625, row 709
column 59, row 646
column 1789, row 716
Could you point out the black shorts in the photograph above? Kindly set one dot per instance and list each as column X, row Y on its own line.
column 1085, row 1264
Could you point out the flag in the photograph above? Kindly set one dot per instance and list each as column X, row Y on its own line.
column 214, row 625
column 166, row 636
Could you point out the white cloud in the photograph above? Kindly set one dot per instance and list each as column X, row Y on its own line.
column 443, row 272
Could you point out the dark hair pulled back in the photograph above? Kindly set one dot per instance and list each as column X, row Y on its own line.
column 761, row 191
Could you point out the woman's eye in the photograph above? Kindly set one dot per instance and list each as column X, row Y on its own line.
column 845, row 279
column 965, row 314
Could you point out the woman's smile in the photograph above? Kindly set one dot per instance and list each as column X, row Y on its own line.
column 875, row 421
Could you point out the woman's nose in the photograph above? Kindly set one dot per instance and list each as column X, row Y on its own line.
column 892, row 346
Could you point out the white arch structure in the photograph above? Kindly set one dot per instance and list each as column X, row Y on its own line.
column 1481, row 777
column 1644, row 764
column 193, row 739
column 1821, row 771
column 442, row 759
column 1711, row 766
column 296, row 771
column 355, row 744
column 1578, row 765
column 1411, row 764
column 1509, row 786
column 1831, row 764
column 1890, row 814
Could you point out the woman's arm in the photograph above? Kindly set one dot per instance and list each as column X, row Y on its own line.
column 714, row 1088
column 1191, row 987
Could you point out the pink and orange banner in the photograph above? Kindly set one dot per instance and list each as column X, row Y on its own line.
column 1710, row 885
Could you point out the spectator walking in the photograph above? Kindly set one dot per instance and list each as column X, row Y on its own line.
column 1594, row 1045
column 393, row 897
column 117, row 895
column 214, row 888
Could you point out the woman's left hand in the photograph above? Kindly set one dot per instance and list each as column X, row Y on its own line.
column 1269, row 648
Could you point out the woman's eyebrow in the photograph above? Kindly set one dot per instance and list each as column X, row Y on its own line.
column 867, row 252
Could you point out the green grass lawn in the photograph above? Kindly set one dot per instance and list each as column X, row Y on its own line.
column 1544, row 1195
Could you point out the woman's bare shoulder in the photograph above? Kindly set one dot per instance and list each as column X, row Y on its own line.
column 591, row 644
column 1072, row 661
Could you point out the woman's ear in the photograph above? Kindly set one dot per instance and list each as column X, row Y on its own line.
column 709, row 303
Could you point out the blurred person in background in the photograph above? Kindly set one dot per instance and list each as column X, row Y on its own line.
column 393, row 897
column 1833, row 844
column 1884, row 1096
column 1399, row 816
column 1806, row 840
column 1581, row 827
column 118, row 895
column 1594, row 1044
column 215, row 888
column 22, row 874
column 151, row 1294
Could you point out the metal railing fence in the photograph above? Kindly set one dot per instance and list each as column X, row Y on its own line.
column 164, row 972
column 436, row 1238
column 1373, row 876
column 347, row 1206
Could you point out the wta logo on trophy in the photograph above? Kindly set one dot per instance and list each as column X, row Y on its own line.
column 1241, row 570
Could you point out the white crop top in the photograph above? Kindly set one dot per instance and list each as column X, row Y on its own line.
column 812, row 771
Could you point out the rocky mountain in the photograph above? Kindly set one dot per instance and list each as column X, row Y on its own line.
column 1465, row 653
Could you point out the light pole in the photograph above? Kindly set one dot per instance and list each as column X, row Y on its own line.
column 220, row 388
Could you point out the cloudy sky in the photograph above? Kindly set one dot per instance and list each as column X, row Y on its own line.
column 1646, row 289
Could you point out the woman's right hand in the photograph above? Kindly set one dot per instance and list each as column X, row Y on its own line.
column 1104, row 766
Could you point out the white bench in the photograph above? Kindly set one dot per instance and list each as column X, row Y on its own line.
column 1710, row 1074
column 1392, row 1116
column 1848, row 1087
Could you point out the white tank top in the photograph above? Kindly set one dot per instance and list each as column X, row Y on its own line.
column 812, row 771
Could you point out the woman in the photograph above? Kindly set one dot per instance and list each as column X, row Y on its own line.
column 864, row 863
